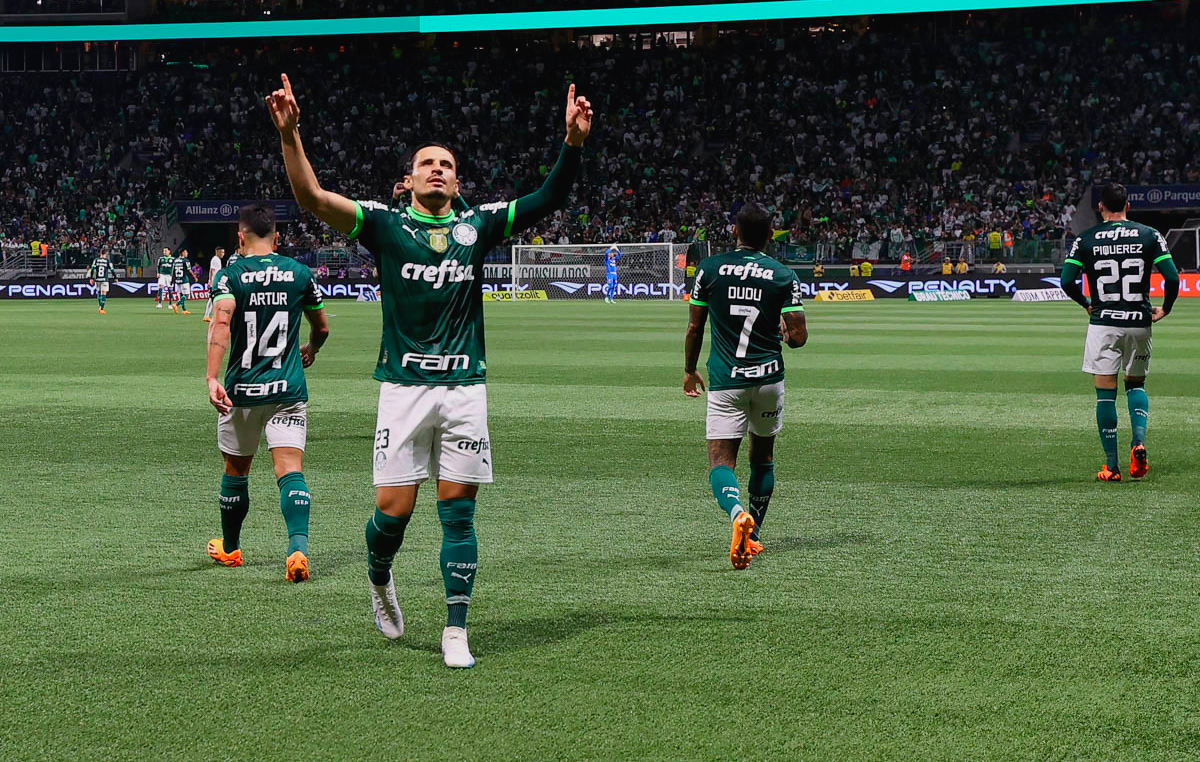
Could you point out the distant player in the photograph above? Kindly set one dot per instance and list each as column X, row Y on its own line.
column 432, row 416
column 256, row 316
column 166, row 266
column 100, row 274
column 181, row 278
column 611, row 257
column 214, row 266
column 754, row 302
column 1117, row 257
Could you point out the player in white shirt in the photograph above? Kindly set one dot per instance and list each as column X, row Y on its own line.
column 214, row 267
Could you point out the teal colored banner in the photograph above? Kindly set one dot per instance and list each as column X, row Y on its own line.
column 606, row 18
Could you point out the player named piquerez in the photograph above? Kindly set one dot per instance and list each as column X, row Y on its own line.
column 1118, row 257
column 754, row 304
column 432, row 414
column 257, row 309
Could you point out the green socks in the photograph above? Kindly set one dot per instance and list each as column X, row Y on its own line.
column 725, row 490
column 385, row 535
column 1139, row 412
column 235, row 504
column 295, row 503
column 1106, row 422
column 762, row 485
column 460, row 556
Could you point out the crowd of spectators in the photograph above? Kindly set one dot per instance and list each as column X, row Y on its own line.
column 875, row 139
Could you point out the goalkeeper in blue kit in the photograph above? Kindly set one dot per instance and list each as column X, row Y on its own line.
column 611, row 257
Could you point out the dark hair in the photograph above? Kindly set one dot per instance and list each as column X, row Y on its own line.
column 219, row 248
column 753, row 226
column 412, row 157
column 257, row 219
column 1114, row 197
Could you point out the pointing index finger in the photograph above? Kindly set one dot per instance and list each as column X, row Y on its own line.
column 571, row 95
column 287, row 85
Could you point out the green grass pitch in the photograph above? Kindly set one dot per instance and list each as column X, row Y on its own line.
column 943, row 578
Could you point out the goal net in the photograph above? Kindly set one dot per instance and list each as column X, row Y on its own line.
column 644, row 271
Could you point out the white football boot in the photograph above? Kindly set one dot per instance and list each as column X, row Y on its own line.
column 455, row 651
column 389, row 619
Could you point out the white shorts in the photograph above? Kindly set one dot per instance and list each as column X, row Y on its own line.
column 1110, row 349
column 757, row 408
column 164, row 283
column 184, row 289
column 103, row 287
column 239, row 430
column 432, row 431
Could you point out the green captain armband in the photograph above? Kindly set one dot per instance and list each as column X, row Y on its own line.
column 1076, row 262
column 358, row 220
column 786, row 310
column 221, row 297
column 1164, row 256
column 699, row 303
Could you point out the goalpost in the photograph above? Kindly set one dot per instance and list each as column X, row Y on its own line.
column 571, row 271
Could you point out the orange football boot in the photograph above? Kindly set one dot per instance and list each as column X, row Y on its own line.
column 1139, row 462
column 1105, row 475
column 216, row 551
column 296, row 569
column 739, row 546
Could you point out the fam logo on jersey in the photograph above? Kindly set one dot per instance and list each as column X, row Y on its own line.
column 464, row 234
column 438, row 240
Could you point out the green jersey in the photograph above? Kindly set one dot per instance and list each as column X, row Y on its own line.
column 102, row 270
column 232, row 258
column 166, row 264
column 1117, row 258
column 430, row 274
column 270, row 294
column 746, row 292
column 180, row 272
column 431, row 278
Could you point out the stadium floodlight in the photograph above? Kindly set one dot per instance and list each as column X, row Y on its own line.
column 601, row 18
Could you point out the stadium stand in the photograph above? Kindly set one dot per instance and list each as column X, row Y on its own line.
column 867, row 141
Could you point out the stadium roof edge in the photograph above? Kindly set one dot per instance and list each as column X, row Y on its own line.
column 606, row 18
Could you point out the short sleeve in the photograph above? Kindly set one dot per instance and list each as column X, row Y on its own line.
column 700, row 288
column 793, row 302
column 1162, row 252
column 367, row 216
column 223, row 287
column 1076, row 255
column 312, row 299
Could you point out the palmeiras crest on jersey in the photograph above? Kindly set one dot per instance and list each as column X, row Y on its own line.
column 438, row 240
column 465, row 235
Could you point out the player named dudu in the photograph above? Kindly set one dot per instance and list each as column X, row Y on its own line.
column 754, row 303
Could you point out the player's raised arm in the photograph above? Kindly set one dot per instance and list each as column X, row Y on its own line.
column 336, row 211
column 555, row 191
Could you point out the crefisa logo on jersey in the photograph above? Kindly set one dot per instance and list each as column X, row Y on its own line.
column 268, row 276
column 748, row 270
column 447, row 271
column 1115, row 233
column 464, row 234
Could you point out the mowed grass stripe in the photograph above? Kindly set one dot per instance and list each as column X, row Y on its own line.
column 943, row 579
